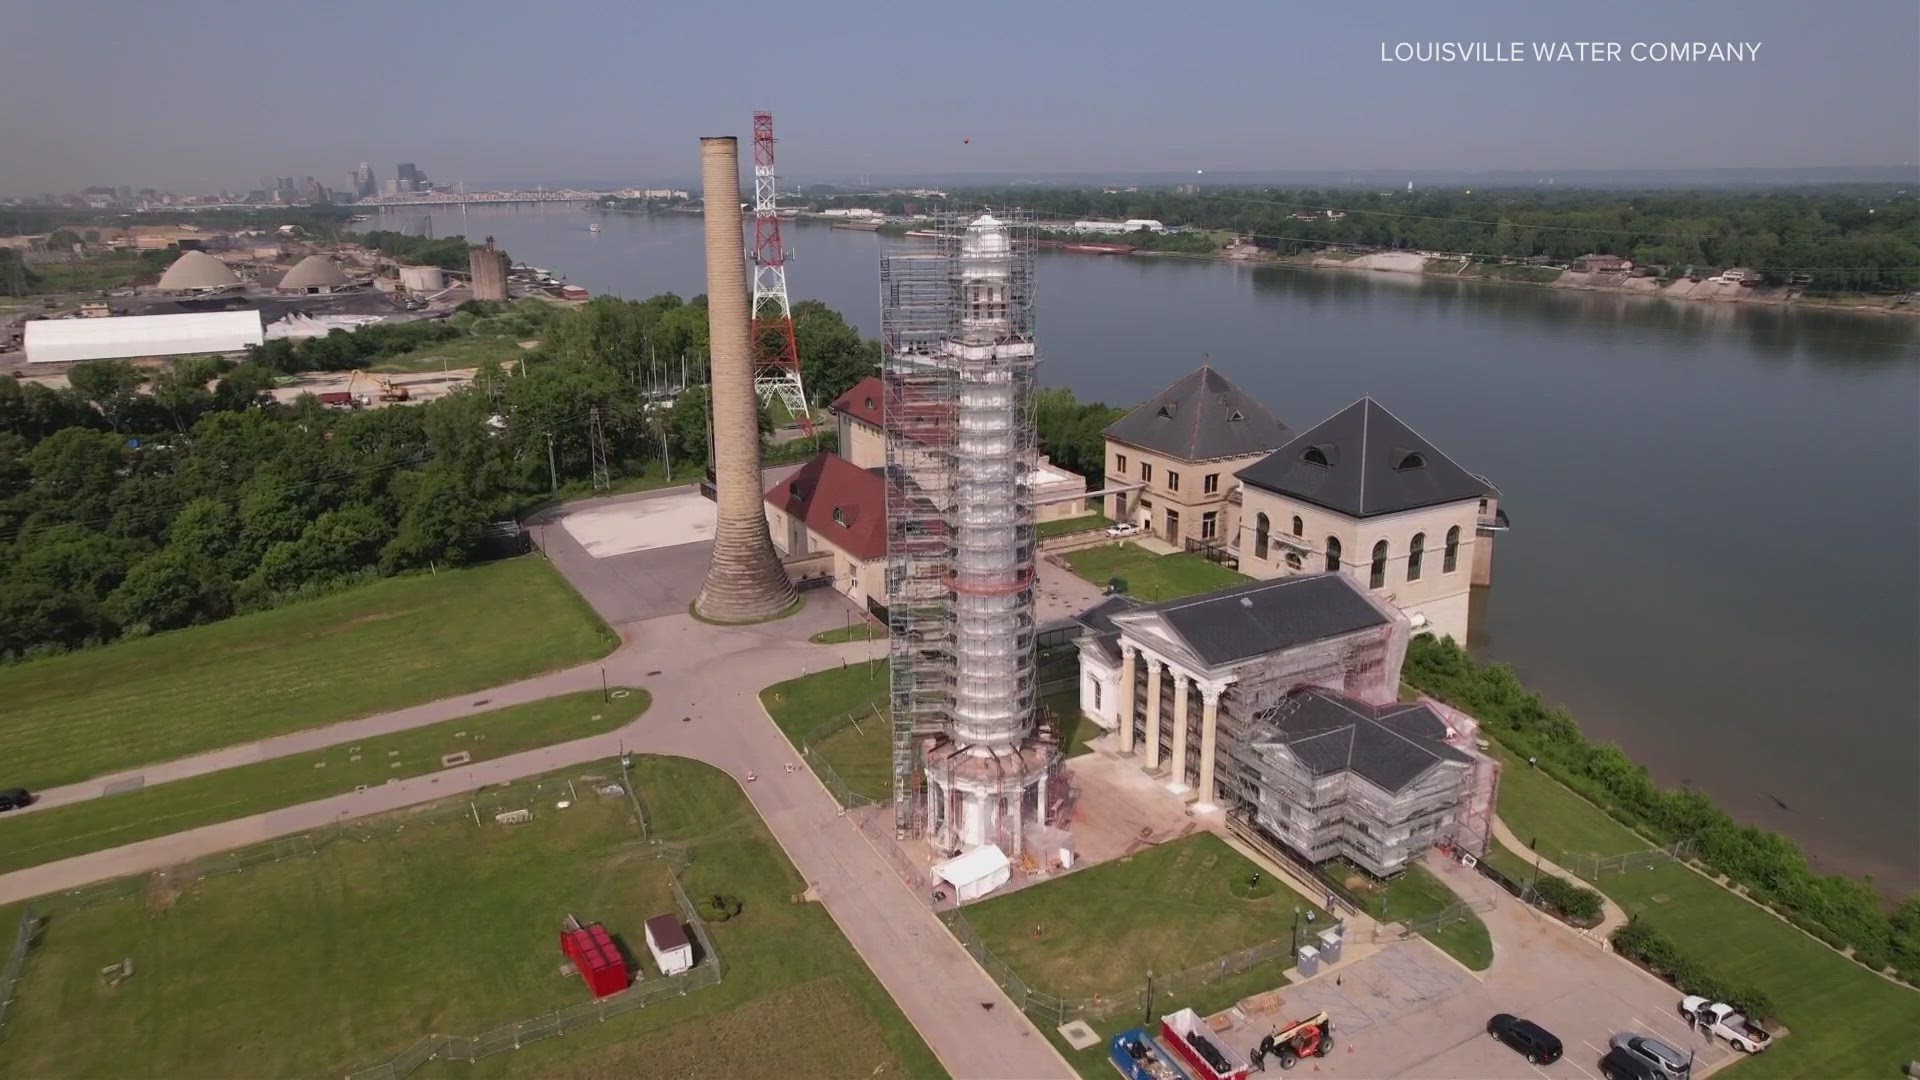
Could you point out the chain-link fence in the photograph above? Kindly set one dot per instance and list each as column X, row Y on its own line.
column 1457, row 912
column 816, row 759
column 1052, row 1010
column 1591, row 865
column 16, row 959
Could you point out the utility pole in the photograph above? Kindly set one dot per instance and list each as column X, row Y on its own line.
column 602, row 480
column 553, row 470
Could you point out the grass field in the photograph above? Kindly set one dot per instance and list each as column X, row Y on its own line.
column 315, row 965
column 1416, row 894
column 382, row 646
column 1152, row 577
column 62, row 832
column 466, row 352
column 1845, row 1020
column 1066, row 526
column 1099, row 931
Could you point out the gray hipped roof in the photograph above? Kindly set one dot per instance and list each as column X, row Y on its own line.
column 1261, row 617
column 1202, row 417
column 1364, row 461
column 1391, row 745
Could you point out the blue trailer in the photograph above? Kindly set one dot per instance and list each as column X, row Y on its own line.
column 1138, row 1057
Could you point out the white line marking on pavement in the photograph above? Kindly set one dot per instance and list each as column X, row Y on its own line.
column 1579, row 1070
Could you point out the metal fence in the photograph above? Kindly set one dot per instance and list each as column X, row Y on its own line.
column 1591, row 865
column 1054, row 1010
column 842, row 791
column 16, row 959
column 1457, row 912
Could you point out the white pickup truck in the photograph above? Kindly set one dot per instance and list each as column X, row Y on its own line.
column 1724, row 1020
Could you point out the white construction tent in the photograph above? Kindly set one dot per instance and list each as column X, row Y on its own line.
column 55, row 341
column 976, row 873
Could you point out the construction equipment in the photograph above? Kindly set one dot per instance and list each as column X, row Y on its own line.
column 1312, row 1037
column 390, row 392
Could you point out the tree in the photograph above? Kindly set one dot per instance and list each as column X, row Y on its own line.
column 207, row 527
column 443, row 523
column 271, row 511
column 173, row 587
column 74, row 470
column 833, row 355
column 109, row 384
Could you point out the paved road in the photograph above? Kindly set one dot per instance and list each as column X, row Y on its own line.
column 705, row 681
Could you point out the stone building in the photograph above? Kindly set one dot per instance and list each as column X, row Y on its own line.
column 832, row 506
column 1364, row 495
column 1177, row 454
column 1232, row 698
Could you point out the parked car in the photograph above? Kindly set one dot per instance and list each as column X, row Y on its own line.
column 12, row 797
column 1526, row 1038
column 1620, row 1064
column 1667, row 1063
column 1123, row 528
column 1722, row 1019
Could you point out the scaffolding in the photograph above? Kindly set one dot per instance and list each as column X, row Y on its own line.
column 958, row 372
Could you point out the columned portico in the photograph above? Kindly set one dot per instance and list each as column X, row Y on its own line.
column 1209, row 725
column 1129, row 654
column 1154, row 664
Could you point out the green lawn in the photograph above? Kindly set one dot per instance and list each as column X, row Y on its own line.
column 466, row 352
column 313, row 966
column 1065, row 526
column 1149, row 576
column 1845, row 1021
column 382, row 646
column 800, row 705
column 62, row 832
column 858, row 630
column 1096, row 932
column 1415, row 894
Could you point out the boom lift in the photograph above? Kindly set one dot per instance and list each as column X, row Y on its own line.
column 1312, row 1037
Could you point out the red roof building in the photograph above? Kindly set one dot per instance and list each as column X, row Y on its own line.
column 862, row 417
column 833, row 506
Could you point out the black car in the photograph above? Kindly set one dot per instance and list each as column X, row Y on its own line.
column 1623, row 1064
column 12, row 797
column 1525, row 1038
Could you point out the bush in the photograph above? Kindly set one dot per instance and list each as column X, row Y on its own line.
column 1640, row 942
column 1838, row 910
column 718, row 907
column 1576, row 904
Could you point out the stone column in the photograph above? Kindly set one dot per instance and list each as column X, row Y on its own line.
column 1179, row 781
column 745, row 581
column 1153, row 713
column 1127, row 674
column 1209, row 721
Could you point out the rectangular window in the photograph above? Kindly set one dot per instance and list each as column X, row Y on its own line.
column 1211, row 484
column 1146, row 472
column 1173, row 480
column 1209, row 525
column 1096, row 695
column 1120, row 464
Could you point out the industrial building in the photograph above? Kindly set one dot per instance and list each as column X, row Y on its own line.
column 972, row 764
column 1363, row 494
column 315, row 275
column 488, row 266
column 1299, row 728
column 55, row 341
column 198, row 272
column 1174, row 457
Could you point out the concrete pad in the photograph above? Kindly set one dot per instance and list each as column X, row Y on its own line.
column 1079, row 1035
column 685, row 517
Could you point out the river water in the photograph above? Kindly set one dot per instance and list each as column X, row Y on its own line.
column 1715, row 553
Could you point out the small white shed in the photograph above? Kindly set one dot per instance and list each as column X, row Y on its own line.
column 976, row 873
column 667, row 941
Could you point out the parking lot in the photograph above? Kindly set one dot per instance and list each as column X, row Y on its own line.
column 1411, row 1011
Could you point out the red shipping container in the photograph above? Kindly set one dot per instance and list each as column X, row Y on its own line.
column 596, row 959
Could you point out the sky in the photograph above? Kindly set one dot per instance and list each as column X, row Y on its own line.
column 195, row 95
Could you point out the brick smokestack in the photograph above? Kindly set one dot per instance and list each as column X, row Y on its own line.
column 745, row 581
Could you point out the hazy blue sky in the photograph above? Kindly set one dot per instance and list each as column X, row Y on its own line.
column 196, row 94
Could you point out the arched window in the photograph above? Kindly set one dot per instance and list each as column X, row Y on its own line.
column 1293, row 560
column 1260, row 529
column 1378, row 578
column 1411, row 461
column 1333, row 554
column 1415, row 549
column 1315, row 456
column 1452, row 557
column 1298, row 525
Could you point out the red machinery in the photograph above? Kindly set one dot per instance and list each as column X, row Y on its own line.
column 1312, row 1037
column 595, row 957
column 1209, row 1057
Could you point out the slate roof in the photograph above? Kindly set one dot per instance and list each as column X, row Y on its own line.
column 1202, row 417
column 1391, row 745
column 1363, row 461
column 1099, row 619
column 1261, row 617
column 844, row 503
column 865, row 401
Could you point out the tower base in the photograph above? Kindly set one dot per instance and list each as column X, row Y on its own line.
column 981, row 796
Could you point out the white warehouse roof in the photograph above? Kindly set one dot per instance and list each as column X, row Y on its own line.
column 52, row 341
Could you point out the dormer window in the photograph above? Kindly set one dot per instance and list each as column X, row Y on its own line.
column 1411, row 461
column 793, row 490
column 1316, row 456
column 869, row 404
column 1166, row 412
column 840, row 516
column 1236, row 415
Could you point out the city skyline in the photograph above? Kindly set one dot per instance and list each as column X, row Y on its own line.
column 1238, row 88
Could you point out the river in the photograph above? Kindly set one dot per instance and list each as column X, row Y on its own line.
column 1715, row 553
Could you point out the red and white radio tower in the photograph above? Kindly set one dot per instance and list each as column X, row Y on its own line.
column 776, row 368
